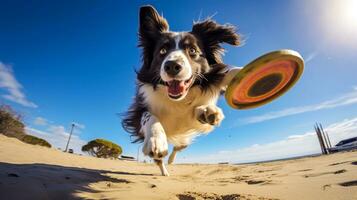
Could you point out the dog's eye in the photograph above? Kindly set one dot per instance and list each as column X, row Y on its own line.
column 192, row 51
column 163, row 51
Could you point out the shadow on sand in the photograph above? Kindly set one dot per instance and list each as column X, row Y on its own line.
column 43, row 181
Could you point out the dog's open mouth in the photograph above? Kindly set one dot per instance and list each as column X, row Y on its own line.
column 178, row 88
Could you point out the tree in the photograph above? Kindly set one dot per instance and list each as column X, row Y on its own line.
column 102, row 149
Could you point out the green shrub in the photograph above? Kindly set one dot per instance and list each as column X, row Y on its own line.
column 30, row 139
column 12, row 126
column 10, row 123
column 102, row 149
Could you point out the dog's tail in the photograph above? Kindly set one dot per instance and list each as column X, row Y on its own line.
column 131, row 120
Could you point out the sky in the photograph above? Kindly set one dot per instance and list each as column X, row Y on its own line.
column 74, row 61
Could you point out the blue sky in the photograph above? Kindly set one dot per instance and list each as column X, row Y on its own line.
column 64, row 61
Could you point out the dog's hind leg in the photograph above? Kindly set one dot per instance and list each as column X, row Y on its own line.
column 155, row 142
column 174, row 152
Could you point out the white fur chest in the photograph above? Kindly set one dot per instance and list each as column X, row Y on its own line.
column 178, row 117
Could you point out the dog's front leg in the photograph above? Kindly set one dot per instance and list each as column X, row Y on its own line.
column 209, row 114
column 155, row 142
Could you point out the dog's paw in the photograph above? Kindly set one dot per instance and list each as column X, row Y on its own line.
column 209, row 114
column 156, row 147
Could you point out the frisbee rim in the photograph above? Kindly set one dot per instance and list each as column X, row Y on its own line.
column 284, row 54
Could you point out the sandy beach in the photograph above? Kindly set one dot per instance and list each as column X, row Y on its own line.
column 34, row 172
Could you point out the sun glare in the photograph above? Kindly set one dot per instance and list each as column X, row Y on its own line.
column 348, row 13
column 339, row 22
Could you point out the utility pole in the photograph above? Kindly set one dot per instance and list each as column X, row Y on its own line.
column 70, row 135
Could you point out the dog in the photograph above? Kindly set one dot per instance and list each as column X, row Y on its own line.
column 178, row 85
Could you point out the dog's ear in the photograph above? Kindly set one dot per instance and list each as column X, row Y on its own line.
column 151, row 23
column 212, row 35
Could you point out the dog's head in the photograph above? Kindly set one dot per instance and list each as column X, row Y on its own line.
column 180, row 60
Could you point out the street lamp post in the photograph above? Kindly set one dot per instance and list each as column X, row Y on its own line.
column 70, row 135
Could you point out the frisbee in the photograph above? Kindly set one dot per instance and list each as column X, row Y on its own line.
column 264, row 79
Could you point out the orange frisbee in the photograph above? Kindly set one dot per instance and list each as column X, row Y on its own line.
column 264, row 79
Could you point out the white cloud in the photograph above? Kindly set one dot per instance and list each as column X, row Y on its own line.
column 36, row 132
column 57, row 136
column 40, row 121
column 294, row 145
column 13, row 87
column 346, row 99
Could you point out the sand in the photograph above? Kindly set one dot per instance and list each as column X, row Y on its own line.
column 34, row 172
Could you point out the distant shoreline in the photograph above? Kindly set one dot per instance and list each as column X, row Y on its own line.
column 280, row 159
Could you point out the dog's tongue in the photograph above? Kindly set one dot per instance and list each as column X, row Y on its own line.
column 176, row 87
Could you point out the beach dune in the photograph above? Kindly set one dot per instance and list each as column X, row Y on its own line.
column 34, row 172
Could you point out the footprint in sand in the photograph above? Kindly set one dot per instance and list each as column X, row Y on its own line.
column 349, row 183
column 304, row 170
column 248, row 181
column 262, row 171
column 242, row 178
column 326, row 186
column 213, row 196
column 338, row 163
column 261, row 182
column 324, row 173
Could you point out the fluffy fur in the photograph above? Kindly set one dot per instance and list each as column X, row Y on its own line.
column 178, row 84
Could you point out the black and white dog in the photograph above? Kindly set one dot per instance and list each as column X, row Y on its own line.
column 178, row 85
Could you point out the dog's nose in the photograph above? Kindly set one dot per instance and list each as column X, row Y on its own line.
column 172, row 68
